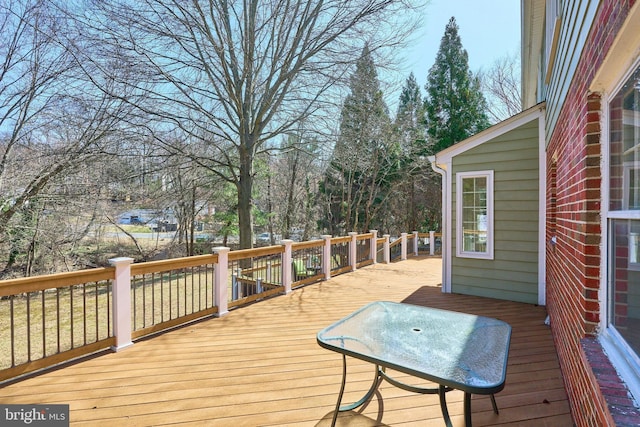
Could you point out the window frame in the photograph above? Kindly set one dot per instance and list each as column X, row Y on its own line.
column 623, row 357
column 489, row 252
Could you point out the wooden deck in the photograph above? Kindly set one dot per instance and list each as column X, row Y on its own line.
column 261, row 366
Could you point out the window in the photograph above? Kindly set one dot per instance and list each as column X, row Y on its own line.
column 623, row 218
column 474, row 192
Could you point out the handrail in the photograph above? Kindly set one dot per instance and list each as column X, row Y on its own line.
column 307, row 244
column 365, row 236
column 173, row 264
column 255, row 252
column 51, row 281
column 342, row 239
column 397, row 242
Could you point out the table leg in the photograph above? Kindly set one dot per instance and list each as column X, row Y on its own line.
column 467, row 409
column 495, row 405
column 443, row 406
column 344, row 380
column 374, row 386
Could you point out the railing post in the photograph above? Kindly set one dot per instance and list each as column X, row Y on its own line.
column 122, row 303
column 287, row 265
column 403, row 246
column 415, row 243
column 221, row 279
column 386, row 249
column 353, row 244
column 373, row 246
column 432, row 243
column 326, row 256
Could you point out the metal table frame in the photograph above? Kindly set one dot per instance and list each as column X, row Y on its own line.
column 338, row 344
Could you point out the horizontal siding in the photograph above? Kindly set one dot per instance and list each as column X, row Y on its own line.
column 522, row 185
column 501, row 283
column 511, row 175
column 478, row 271
column 512, row 146
column 480, row 291
column 525, row 241
column 517, row 207
column 513, row 273
column 577, row 18
column 507, row 226
column 517, row 252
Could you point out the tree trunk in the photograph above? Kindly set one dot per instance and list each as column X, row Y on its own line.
column 245, row 190
column 291, row 190
column 270, row 210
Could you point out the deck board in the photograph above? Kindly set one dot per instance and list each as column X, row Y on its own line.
column 260, row 365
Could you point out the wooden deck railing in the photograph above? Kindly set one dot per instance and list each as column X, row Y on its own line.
column 47, row 320
column 307, row 262
column 168, row 293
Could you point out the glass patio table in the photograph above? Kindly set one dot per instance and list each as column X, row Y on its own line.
column 456, row 351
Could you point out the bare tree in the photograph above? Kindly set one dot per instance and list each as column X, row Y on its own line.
column 52, row 124
column 187, row 188
column 32, row 64
column 501, row 85
column 292, row 172
column 237, row 74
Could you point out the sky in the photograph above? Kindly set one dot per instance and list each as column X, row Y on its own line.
column 488, row 29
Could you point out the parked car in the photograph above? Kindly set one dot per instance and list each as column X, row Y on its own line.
column 263, row 238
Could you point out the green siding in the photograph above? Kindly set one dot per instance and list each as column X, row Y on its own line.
column 513, row 273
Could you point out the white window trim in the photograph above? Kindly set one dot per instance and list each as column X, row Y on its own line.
column 624, row 359
column 459, row 238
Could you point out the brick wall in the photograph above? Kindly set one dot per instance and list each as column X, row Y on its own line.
column 573, row 217
column 573, row 264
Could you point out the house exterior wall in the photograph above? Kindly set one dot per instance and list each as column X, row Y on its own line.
column 573, row 221
column 513, row 272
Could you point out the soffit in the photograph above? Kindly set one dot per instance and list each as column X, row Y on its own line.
column 533, row 17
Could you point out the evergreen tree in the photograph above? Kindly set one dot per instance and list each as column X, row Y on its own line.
column 410, row 119
column 365, row 158
column 455, row 106
column 417, row 193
